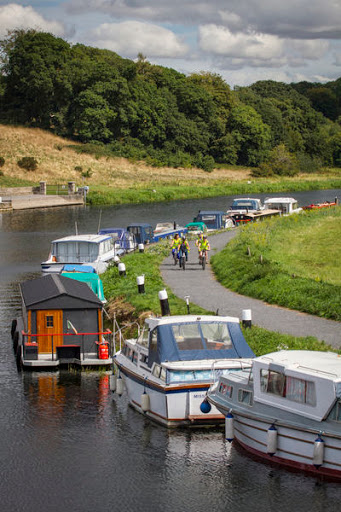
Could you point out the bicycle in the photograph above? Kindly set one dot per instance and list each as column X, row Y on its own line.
column 202, row 259
column 175, row 256
column 182, row 261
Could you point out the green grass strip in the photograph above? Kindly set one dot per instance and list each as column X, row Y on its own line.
column 258, row 263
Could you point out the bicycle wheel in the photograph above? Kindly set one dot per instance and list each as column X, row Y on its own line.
column 203, row 262
column 183, row 263
column 175, row 258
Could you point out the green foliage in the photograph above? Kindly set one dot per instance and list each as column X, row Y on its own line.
column 276, row 277
column 87, row 174
column 2, row 161
column 279, row 163
column 1, row 173
column 29, row 163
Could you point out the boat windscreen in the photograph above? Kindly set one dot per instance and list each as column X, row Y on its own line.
column 71, row 252
column 213, row 336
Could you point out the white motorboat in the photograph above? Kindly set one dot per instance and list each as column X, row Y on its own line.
column 285, row 205
column 95, row 250
column 286, row 409
column 170, row 366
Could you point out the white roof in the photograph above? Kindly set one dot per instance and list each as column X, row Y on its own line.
column 308, row 362
column 83, row 238
column 181, row 319
column 280, row 200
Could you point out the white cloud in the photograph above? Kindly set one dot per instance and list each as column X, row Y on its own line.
column 131, row 37
column 14, row 16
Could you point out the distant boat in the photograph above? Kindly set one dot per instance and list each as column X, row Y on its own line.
column 170, row 366
column 285, row 205
column 94, row 250
column 318, row 206
column 286, row 409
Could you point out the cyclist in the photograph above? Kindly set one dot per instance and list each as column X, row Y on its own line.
column 175, row 245
column 184, row 248
column 199, row 240
column 203, row 247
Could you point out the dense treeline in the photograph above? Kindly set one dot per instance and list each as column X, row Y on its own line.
column 139, row 110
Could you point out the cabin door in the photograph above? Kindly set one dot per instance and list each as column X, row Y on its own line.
column 49, row 322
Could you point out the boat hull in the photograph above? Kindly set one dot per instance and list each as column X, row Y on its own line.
column 171, row 406
column 295, row 446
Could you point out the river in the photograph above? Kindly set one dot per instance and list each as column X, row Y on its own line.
column 66, row 446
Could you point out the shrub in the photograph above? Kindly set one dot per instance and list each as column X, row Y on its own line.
column 1, row 173
column 78, row 168
column 308, row 164
column 87, row 174
column 29, row 163
column 2, row 161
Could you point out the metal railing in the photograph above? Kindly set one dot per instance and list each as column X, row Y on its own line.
column 57, row 190
column 28, row 337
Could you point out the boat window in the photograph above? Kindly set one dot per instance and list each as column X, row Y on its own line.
column 144, row 337
column 163, row 374
column 134, row 357
column 217, row 336
column 153, row 341
column 335, row 413
column 272, row 382
column 226, row 390
column 156, row 370
column 209, row 220
column 245, row 396
column 144, row 358
column 106, row 246
column 187, row 336
column 300, row 390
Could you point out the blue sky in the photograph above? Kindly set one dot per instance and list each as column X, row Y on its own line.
column 241, row 40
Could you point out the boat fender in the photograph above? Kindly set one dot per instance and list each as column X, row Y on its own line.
column 15, row 341
column 145, row 402
column 318, row 452
column 229, row 428
column 14, row 327
column 205, row 406
column 119, row 386
column 113, row 380
column 271, row 445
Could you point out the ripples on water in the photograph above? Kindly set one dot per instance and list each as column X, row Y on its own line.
column 66, row 446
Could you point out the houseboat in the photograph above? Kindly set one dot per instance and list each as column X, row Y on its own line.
column 214, row 219
column 247, row 209
column 123, row 240
column 286, row 409
column 285, row 205
column 95, row 250
column 169, row 367
column 61, row 324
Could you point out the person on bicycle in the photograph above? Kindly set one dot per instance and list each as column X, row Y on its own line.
column 199, row 240
column 175, row 244
column 203, row 247
column 184, row 248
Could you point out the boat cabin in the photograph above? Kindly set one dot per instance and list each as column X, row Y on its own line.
column 247, row 204
column 285, row 205
column 123, row 240
column 61, row 318
column 213, row 219
column 196, row 227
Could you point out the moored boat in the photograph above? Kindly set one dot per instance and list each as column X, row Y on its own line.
column 286, row 409
column 319, row 206
column 285, row 205
column 170, row 366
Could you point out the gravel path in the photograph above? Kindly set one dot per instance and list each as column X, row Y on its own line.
column 205, row 291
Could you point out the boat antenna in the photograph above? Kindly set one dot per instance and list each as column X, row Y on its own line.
column 99, row 221
column 76, row 227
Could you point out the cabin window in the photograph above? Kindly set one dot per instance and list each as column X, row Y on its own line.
column 217, row 336
column 187, row 336
column 163, row 374
column 272, row 382
column 134, row 357
column 226, row 390
column 156, row 370
column 300, row 390
column 49, row 321
column 245, row 396
column 335, row 413
column 144, row 337
column 153, row 341
column 144, row 358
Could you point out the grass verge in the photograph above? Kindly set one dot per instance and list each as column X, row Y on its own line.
column 276, row 261
column 121, row 292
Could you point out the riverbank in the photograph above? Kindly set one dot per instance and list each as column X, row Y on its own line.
column 130, row 306
column 291, row 261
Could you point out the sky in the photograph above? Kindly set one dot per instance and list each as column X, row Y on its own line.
column 241, row 40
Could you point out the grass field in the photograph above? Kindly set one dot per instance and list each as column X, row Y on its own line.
column 118, row 180
column 292, row 261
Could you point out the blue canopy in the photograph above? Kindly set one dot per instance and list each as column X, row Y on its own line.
column 199, row 341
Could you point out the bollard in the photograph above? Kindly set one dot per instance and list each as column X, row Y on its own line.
column 140, row 283
column 122, row 269
column 163, row 297
column 187, row 304
column 246, row 318
column 116, row 260
column 141, row 247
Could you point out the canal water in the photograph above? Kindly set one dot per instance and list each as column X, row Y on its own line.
column 67, row 446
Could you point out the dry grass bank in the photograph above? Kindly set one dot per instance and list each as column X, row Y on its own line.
column 57, row 164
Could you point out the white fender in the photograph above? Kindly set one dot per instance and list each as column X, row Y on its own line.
column 112, row 383
column 119, row 386
column 318, row 454
column 229, row 428
column 271, row 444
column 145, row 402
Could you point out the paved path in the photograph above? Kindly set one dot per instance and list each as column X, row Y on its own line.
column 205, row 291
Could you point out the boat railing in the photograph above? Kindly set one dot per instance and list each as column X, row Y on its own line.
column 31, row 341
column 118, row 333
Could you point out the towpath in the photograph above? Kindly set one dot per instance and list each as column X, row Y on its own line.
column 204, row 290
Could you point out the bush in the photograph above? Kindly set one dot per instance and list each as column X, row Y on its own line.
column 78, row 168
column 87, row 174
column 29, row 163
column 308, row 164
column 1, row 173
column 2, row 161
